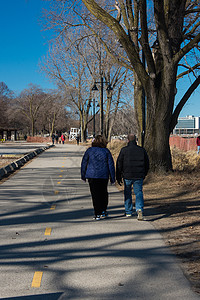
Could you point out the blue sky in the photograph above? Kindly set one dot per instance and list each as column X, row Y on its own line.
column 192, row 107
column 24, row 44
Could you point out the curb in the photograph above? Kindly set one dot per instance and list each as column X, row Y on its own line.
column 7, row 170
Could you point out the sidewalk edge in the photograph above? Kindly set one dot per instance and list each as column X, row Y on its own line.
column 7, row 170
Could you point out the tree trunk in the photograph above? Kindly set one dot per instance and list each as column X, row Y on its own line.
column 53, row 124
column 160, row 101
column 157, row 145
column 138, row 108
column 83, row 121
column 33, row 127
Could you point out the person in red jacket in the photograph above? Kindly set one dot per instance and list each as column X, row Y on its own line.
column 63, row 138
column 198, row 144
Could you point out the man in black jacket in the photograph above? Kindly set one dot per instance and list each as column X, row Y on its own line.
column 132, row 166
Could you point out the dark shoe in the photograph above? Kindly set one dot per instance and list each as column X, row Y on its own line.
column 104, row 214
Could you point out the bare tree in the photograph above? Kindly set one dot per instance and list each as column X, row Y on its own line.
column 70, row 72
column 6, row 96
column 87, row 50
column 125, row 122
column 166, row 34
column 52, row 115
column 29, row 103
column 77, row 69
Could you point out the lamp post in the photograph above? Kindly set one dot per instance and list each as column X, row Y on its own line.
column 94, row 114
column 95, row 88
column 93, row 118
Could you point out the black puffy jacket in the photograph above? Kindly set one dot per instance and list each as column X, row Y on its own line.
column 132, row 162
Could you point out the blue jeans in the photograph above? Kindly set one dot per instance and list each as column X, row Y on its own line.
column 198, row 149
column 137, row 188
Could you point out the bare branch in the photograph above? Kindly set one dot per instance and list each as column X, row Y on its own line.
column 182, row 103
column 186, row 49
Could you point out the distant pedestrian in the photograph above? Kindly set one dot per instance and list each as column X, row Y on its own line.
column 198, row 144
column 56, row 137
column 77, row 139
column 98, row 166
column 63, row 138
column 53, row 138
column 132, row 166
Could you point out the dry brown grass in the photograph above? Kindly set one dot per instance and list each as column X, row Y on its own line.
column 6, row 161
column 182, row 161
column 185, row 161
column 115, row 147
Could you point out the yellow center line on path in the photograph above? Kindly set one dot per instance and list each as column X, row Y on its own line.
column 56, row 192
column 37, row 279
column 59, row 182
column 61, row 170
column 53, row 206
column 60, row 176
column 47, row 231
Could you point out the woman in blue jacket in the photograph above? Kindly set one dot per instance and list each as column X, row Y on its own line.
column 98, row 166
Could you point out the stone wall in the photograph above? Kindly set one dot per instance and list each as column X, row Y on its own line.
column 38, row 139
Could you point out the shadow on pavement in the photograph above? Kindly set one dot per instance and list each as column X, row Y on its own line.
column 52, row 296
column 110, row 249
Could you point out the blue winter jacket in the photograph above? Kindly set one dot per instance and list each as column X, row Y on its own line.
column 98, row 163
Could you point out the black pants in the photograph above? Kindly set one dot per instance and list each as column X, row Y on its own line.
column 99, row 192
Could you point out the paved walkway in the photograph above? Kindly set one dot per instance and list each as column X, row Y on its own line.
column 52, row 249
column 18, row 148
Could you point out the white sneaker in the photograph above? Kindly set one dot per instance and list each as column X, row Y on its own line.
column 97, row 218
column 128, row 215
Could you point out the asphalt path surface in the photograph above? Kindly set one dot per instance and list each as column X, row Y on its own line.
column 51, row 248
column 18, row 148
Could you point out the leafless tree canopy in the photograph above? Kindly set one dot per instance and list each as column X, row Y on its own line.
column 77, row 60
column 167, row 34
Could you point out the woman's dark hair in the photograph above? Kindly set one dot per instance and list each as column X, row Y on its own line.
column 99, row 141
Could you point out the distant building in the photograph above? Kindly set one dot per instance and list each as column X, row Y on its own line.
column 187, row 125
column 9, row 134
column 73, row 133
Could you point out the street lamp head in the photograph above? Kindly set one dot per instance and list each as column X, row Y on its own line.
column 109, row 87
column 95, row 88
column 155, row 48
column 89, row 105
column 155, row 45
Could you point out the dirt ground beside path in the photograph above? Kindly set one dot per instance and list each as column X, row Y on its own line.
column 6, row 161
column 175, row 199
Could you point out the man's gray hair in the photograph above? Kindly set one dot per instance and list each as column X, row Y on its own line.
column 131, row 137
